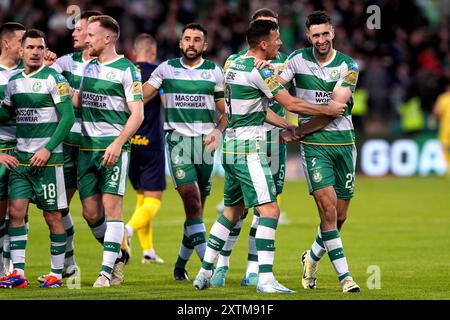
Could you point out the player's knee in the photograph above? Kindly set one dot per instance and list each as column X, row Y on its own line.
column 91, row 217
column 340, row 221
column 53, row 218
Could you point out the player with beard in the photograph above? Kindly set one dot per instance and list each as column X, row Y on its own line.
column 111, row 112
column 328, row 154
column 193, row 90
column 71, row 67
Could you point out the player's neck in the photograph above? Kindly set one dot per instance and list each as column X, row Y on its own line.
column 108, row 54
column 257, row 54
column 324, row 59
column 192, row 63
column 32, row 69
column 7, row 61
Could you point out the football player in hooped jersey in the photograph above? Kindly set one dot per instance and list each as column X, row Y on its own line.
column 10, row 43
column 248, row 180
column 40, row 97
column 193, row 91
column 329, row 152
column 111, row 111
column 71, row 67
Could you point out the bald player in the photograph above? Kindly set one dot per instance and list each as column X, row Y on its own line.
column 147, row 157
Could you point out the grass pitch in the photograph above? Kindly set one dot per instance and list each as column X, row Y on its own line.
column 399, row 225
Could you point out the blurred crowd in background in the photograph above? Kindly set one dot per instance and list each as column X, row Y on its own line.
column 405, row 64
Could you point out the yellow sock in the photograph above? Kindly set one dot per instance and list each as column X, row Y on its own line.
column 139, row 201
column 279, row 197
column 146, row 237
column 145, row 213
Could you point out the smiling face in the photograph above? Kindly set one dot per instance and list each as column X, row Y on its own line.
column 273, row 44
column 33, row 50
column 193, row 44
column 321, row 37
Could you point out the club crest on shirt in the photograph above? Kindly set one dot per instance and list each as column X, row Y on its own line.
column 205, row 75
column 37, row 86
column 316, row 176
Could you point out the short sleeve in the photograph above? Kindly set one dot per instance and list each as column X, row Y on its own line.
column 288, row 69
column 132, row 84
column 349, row 75
column 8, row 92
column 62, row 64
column 59, row 88
column 156, row 79
column 219, row 85
column 266, row 81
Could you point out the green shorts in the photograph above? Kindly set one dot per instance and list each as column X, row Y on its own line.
column 44, row 186
column 276, row 156
column 94, row 178
column 4, row 177
column 249, row 179
column 189, row 162
column 330, row 166
column 70, row 165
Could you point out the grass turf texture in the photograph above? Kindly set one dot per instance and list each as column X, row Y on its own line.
column 398, row 224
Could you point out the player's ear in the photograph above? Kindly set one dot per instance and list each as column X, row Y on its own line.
column 21, row 51
column 180, row 44
column 205, row 46
column 307, row 36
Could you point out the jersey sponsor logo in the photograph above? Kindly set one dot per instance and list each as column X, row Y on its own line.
column 190, row 101
column 37, row 86
column 139, row 140
column 316, row 176
column 27, row 116
column 137, row 88
column 271, row 83
column 205, row 75
column 351, row 77
column 63, row 89
column 93, row 100
column 180, row 173
column 111, row 75
column 323, row 97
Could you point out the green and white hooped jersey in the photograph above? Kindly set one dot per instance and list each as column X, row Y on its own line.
column 34, row 98
column 71, row 66
column 314, row 83
column 190, row 95
column 248, row 92
column 7, row 129
column 277, row 63
column 106, row 90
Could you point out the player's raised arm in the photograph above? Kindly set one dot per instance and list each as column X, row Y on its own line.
column 299, row 106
